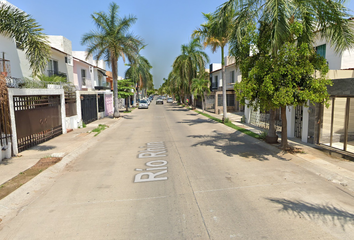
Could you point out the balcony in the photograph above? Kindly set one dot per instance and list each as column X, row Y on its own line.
column 57, row 73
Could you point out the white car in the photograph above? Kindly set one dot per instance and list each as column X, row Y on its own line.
column 169, row 100
column 143, row 104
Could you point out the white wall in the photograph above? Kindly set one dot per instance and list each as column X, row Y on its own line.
column 334, row 59
column 348, row 59
column 8, row 46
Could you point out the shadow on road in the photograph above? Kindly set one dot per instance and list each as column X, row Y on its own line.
column 236, row 144
column 324, row 213
column 43, row 147
column 191, row 122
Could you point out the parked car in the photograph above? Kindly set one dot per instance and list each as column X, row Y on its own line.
column 169, row 100
column 143, row 104
column 159, row 101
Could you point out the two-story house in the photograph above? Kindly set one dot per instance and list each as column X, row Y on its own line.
column 232, row 75
column 89, row 74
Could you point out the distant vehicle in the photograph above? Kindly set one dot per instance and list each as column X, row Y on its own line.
column 143, row 104
column 169, row 100
column 148, row 100
column 159, row 100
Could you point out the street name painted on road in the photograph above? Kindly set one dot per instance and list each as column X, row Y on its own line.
column 153, row 150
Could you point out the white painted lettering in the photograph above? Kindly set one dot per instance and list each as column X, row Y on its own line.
column 152, row 163
column 151, row 154
column 150, row 177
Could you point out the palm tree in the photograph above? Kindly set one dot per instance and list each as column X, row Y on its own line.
column 216, row 33
column 18, row 25
column 200, row 86
column 327, row 19
column 112, row 40
column 190, row 62
column 139, row 72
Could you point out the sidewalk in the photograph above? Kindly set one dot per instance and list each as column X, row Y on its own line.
column 336, row 170
column 56, row 147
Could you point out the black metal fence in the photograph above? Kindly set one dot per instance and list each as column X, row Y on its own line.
column 88, row 107
column 100, row 102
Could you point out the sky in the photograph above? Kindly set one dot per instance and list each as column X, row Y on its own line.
column 164, row 25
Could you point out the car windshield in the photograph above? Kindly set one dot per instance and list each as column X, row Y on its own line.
column 142, row 101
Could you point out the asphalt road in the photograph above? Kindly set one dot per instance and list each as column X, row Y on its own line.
column 168, row 173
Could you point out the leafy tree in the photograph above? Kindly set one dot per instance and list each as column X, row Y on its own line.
column 283, row 80
column 327, row 19
column 139, row 72
column 216, row 32
column 200, row 86
column 125, row 90
column 16, row 24
column 191, row 61
column 112, row 40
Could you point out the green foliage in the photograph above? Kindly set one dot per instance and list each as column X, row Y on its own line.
column 187, row 66
column 285, row 79
column 52, row 79
column 100, row 128
column 125, row 88
column 150, row 92
column 21, row 27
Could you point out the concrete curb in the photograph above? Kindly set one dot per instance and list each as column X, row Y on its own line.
column 22, row 197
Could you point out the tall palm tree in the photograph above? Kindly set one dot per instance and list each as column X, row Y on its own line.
column 200, row 86
column 190, row 62
column 216, row 33
column 112, row 40
column 327, row 19
column 139, row 72
column 18, row 25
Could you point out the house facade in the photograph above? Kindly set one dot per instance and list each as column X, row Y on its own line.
column 88, row 73
column 214, row 102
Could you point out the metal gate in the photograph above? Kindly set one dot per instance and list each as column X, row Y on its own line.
column 100, row 102
column 38, row 119
column 298, row 121
column 5, row 121
column 88, row 108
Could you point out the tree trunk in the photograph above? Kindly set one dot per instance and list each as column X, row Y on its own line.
column 127, row 104
column 284, row 129
column 115, row 87
column 224, row 104
column 272, row 136
column 192, row 101
column 203, row 101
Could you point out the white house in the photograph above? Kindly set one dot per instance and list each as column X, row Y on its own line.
column 89, row 74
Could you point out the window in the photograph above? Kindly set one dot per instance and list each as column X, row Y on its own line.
column 216, row 81
column 230, row 100
column 83, row 77
column 321, row 50
column 68, row 60
column 232, row 77
column 53, row 67
column 220, row 101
